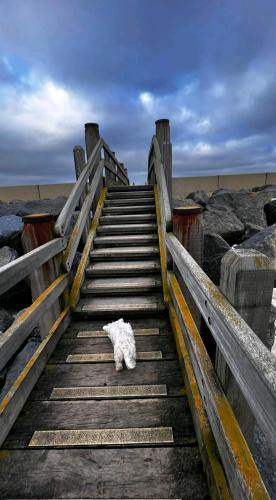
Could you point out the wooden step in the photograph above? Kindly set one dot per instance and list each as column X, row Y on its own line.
column 120, row 286
column 107, row 253
column 127, row 219
column 135, row 209
column 103, row 374
column 127, row 229
column 115, row 307
column 110, row 392
column 95, row 334
column 99, row 347
column 123, row 268
column 158, row 472
column 145, row 187
column 125, row 240
column 129, row 194
column 128, row 201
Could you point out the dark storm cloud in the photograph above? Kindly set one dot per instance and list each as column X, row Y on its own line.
column 209, row 66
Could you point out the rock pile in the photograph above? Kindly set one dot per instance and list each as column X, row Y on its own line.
column 246, row 218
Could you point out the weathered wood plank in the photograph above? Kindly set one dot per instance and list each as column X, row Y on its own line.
column 80, row 274
column 162, row 248
column 115, row 414
column 217, row 483
column 251, row 362
column 99, row 374
column 14, row 400
column 243, row 476
column 114, row 159
column 65, row 215
column 75, row 237
column 21, row 328
column 103, row 345
column 15, row 271
column 159, row 472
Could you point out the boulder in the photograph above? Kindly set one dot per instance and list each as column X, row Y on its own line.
column 7, row 255
column 214, row 249
column 251, row 230
column 10, row 230
column 270, row 212
column 222, row 220
column 10, row 373
column 264, row 242
column 248, row 206
column 53, row 206
column 200, row 197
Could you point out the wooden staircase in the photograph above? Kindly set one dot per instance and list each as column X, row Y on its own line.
column 86, row 430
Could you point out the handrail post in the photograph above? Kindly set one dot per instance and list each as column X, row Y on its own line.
column 92, row 135
column 163, row 136
column 37, row 230
column 247, row 281
column 79, row 160
column 188, row 228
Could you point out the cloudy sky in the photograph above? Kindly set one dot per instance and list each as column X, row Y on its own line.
column 207, row 65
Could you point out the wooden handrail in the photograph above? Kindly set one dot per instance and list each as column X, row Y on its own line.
column 21, row 328
column 161, row 184
column 114, row 159
column 17, row 270
column 247, row 357
column 69, row 207
column 77, row 231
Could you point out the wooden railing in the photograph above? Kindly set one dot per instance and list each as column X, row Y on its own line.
column 84, row 194
column 252, row 364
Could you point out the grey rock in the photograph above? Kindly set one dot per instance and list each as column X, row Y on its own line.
column 10, row 228
column 21, row 208
column 7, row 255
column 6, row 319
column 16, row 365
column 200, row 197
column 248, row 206
column 214, row 249
column 265, row 187
column 264, row 242
column 251, row 230
column 270, row 212
column 222, row 220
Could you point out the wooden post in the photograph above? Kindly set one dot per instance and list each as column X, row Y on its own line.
column 108, row 174
column 92, row 135
column 39, row 229
column 79, row 159
column 163, row 136
column 247, row 281
column 188, row 228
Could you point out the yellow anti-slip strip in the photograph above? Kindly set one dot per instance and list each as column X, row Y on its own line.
column 102, row 437
column 112, row 391
column 90, row 334
column 106, row 357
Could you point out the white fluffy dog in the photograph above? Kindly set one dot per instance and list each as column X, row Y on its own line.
column 122, row 338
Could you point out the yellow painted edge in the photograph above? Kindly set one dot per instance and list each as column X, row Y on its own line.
column 162, row 248
column 217, row 483
column 244, row 460
column 75, row 290
column 22, row 376
column 34, row 305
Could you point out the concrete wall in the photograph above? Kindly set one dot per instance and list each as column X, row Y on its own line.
column 34, row 192
column 182, row 186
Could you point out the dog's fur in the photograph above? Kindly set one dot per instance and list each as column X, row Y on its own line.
column 123, row 340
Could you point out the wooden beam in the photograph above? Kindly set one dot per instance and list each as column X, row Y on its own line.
column 72, row 246
column 217, row 483
column 114, row 159
column 80, row 274
column 162, row 248
column 243, row 476
column 69, row 207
